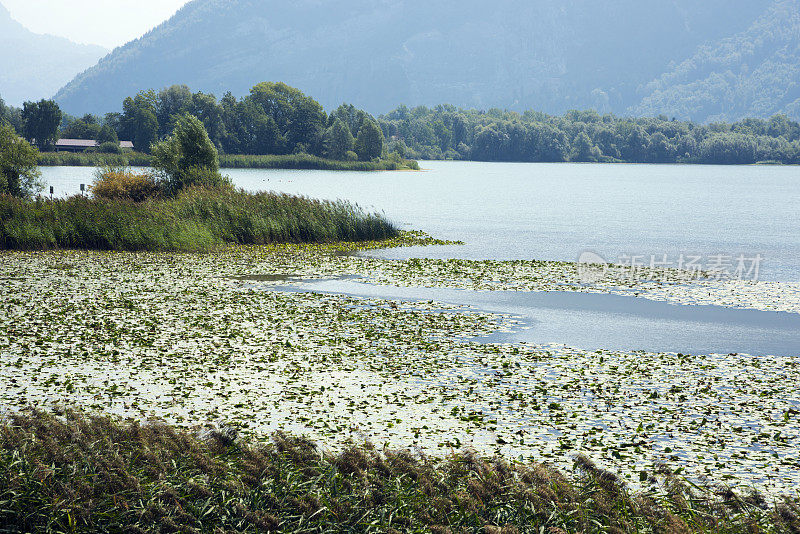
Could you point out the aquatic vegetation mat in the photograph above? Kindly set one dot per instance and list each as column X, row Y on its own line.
column 186, row 338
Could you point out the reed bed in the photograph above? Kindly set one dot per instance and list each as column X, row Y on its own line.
column 230, row 161
column 306, row 161
column 195, row 220
column 77, row 473
column 93, row 159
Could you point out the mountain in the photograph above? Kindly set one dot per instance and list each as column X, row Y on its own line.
column 34, row 66
column 755, row 73
column 548, row 55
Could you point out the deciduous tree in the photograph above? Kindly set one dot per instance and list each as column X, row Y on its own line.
column 41, row 121
column 19, row 174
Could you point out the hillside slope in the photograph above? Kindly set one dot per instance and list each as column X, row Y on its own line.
column 517, row 54
column 34, row 66
column 754, row 73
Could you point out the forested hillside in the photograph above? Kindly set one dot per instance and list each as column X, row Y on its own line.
column 34, row 66
column 755, row 73
column 547, row 55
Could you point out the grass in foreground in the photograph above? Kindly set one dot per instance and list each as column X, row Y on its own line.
column 195, row 220
column 291, row 161
column 76, row 473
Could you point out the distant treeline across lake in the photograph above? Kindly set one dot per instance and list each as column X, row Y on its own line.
column 446, row 132
column 277, row 120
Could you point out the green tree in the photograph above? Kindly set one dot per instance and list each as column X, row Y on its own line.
column 661, row 150
column 583, row 149
column 19, row 172
column 350, row 115
column 145, row 130
column 171, row 103
column 206, row 108
column 369, row 143
column 299, row 118
column 41, row 121
column 187, row 157
column 138, row 122
column 87, row 127
column 107, row 135
column 11, row 115
column 338, row 140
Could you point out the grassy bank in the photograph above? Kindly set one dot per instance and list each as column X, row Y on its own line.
column 89, row 474
column 93, row 159
column 292, row 161
column 195, row 220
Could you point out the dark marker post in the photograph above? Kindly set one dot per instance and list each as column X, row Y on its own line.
column 51, row 192
column 83, row 188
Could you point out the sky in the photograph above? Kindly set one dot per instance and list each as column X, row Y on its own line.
column 108, row 23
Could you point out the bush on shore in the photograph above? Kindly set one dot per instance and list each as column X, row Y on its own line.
column 118, row 183
column 197, row 219
column 188, row 158
column 76, row 473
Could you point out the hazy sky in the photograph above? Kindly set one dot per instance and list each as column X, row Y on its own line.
column 108, row 23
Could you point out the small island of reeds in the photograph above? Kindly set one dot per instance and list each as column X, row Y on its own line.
column 196, row 219
column 184, row 204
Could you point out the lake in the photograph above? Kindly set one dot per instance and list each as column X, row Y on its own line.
column 559, row 211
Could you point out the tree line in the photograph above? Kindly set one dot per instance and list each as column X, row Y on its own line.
column 277, row 119
column 273, row 118
column 447, row 132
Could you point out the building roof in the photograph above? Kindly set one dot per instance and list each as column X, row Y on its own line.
column 86, row 143
column 83, row 143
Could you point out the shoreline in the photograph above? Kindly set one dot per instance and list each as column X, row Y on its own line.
column 266, row 162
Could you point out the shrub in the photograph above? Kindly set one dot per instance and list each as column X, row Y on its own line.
column 109, row 148
column 187, row 157
column 350, row 156
column 115, row 183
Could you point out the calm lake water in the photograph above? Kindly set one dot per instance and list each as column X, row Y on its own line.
column 592, row 321
column 558, row 211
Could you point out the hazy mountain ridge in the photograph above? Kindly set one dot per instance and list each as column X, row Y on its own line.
column 754, row 73
column 35, row 66
column 377, row 54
